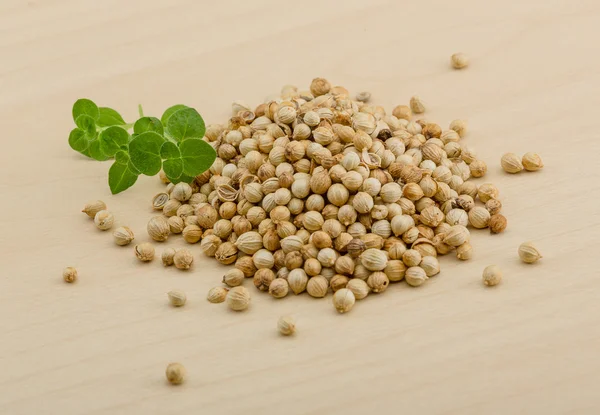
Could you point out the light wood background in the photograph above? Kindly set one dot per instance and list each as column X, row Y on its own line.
column 529, row 346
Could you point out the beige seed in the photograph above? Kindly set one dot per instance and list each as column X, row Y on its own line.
column 416, row 105
column 183, row 259
column 415, row 276
column 511, row 163
column 459, row 61
column 177, row 298
column 529, row 253
column 144, row 252
column 286, row 325
column 217, row 294
column 158, row 228
column 94, row 207
column 532, row 162
column 317, row 286
column 123, row 236
column 104, row 220
column 359, row 288
column 70, row 274
column 343, row 300
column 175, row 373
column 279, row 288
column 238, row 298
column 492, row 275
column 168, row 256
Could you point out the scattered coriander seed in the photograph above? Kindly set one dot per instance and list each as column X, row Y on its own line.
column 460, row 126
column 286, row 325
column 317, row 286
column 183, row 259
column 192, row 234
column 104, row 220
column 144, row 252
column 233, row 277
column 175, row 373
column 416, row 105
column 430, row 265
column 123, row 236
column 459, row 61
column 238, row 298
column 492, row 275
column 182, row 192
column 529, row 253
column 532, row 162
column 177, row 298
column 359, row 288
column 511, row 163
column 70, row 274
column 497, row 223
column 343, row 300
column 94, row 207
column 415, row 276
column 464, row 251
column 217, row 294
column 168, row 257
column 160, row 200
column 479, row 217
column 279, row 288
column 493, row 206
column 158, row 228
column 378, row 282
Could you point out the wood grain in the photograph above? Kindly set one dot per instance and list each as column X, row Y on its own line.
column 528, row 346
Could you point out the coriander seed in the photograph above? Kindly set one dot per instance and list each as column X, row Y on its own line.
column 233, row 277
column 359, row 288
column 416, row 105
column 459, row 61
column 492, row 275
column 279, row 288
column 497, row 223
column 104, row 220
column 286, row 325
column 183, row 259
column 175, row 373
column 70, row 274
column 144, row 252
column 158, row 228
column 177, row 298
column 123, row 236
column 217, row 295
column 378, row 282
column 168, row 256
column 94, row 207
column 529, row 253
column 511, row 163
column 238, row 298
column 317, row 286
column 415, row 276
column 532, row 162
column 343, row 300
column 159, row 201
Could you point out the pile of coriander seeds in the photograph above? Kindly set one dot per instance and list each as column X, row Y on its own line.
column 323, row 193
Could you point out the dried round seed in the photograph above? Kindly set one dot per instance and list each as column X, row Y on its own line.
column 175, row 373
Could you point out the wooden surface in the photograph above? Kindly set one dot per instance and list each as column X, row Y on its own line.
column 529, row 346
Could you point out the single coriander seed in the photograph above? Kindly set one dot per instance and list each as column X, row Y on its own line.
column 94, row 207
column 511, row 163
column 238, row 298
column 168, row 256
column 529, row 253
column 70, row 274
column 492, row 275
column 104, row 220
column 532, row 162
column 497, row 223
column 144, row 252
column 343, row 300
column 459, row 61
column 286, row 325
column 416, row 105
column 175, row 373
column 123, row 236
column 177, row 298
column 183, row 259
column 217, row 295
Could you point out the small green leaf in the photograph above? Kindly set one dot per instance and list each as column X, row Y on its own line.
column 122, row 157
column 78, row 140
column 120, row 177
column 183, row 178
column 132, row 168
column 112, row 139
column 85, row 106
column 170, row 150
column 148, row 124
column 185, row 124
column 197, row 156
column 109, row 117
column 144, row 151
column 173, row 168
column 96, row 152
column 87, row 124
column 170, row 111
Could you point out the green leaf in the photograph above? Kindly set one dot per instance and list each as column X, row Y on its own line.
column 78, row 140
column 132, row 168
column 85, row 107
column 122, row 157
column 170, row 111
column 120, row 177
column 109, row 117
column 197, row 156
column 183, row 178
column 87, row 124
column 148, row 124
column 170, row 150
column 96, row 152
column 144, row 151
column 185, row 124
column 112, row 139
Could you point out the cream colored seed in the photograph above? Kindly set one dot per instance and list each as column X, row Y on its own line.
column 286, row 325
column 343, row 300
column 183, row 259
column 459, row 61
column 94, row 207
column 492, row 275
column 123, row 236
column 144, row 252
column 104, row 220
column 511, row 163
column 529, row 253
column 532, row 162
column 177, row 298
column 416, row 105
column 238, row 298
column 70, row 274
column 175, row 373
column 168, row 256
column 217, row 294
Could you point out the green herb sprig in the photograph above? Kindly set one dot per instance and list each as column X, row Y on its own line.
column 172, row 143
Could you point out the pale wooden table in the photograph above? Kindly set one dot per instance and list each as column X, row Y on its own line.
column 530, row 346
